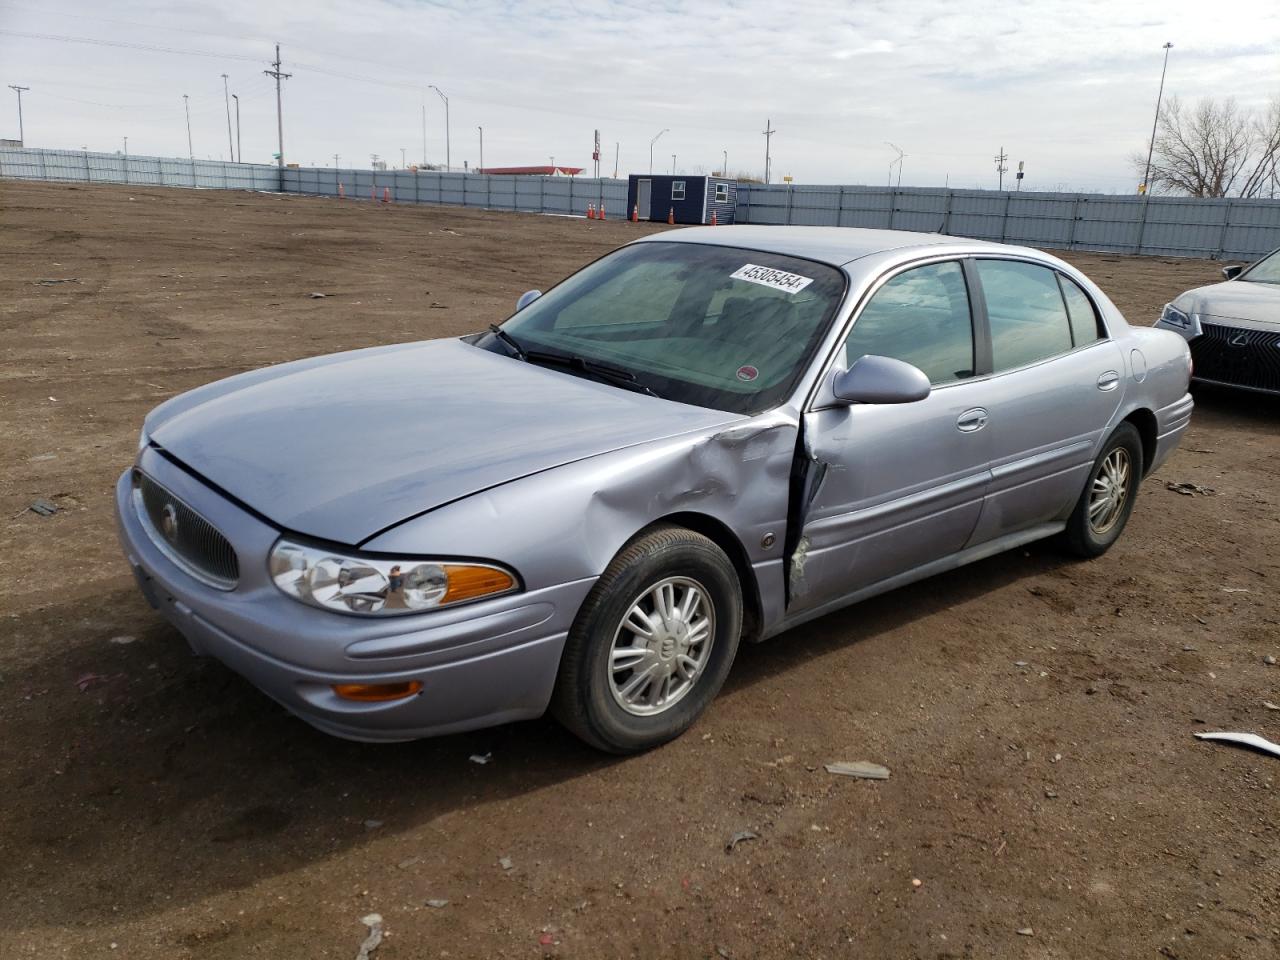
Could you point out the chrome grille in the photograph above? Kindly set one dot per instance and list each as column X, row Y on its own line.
column 1246, row 358
column 185, row 537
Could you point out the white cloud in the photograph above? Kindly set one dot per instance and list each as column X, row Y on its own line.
column 1066, row 85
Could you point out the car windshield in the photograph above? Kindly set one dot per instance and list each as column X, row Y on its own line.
column 1266, row 270
column 707, row 325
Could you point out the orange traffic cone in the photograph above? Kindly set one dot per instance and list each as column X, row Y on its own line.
column 386, row 194
column 635, row 213
column 591, row 211
column 600, row 213
column 671, row 216
column 341, row 193
column 713, row 218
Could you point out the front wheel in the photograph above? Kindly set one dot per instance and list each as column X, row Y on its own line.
column 1104, row 506
column 652, row 644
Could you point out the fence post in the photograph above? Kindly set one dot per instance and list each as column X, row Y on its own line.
column 44, row 174
column 87, row 177
column 1222, row 238
column 1075, row 215
column 124, row 167
column 893, row 206
column 1142, row 228
column 789, row 202
column 542, row 194
column 946, row 213
column 1004, row 221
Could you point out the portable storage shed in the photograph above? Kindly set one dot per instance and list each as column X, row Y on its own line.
column 690, row 199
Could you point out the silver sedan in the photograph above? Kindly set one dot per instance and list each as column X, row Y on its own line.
column 1233, row 327
column 706, row 437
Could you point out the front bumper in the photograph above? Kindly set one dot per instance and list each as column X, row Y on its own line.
column 482, row 664
column 1232, row 353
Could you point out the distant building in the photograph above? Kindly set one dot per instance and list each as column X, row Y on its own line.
column 687, row 199
column 547, row 171
column 11, row 143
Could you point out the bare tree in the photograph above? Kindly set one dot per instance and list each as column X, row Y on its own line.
column 1214, row 149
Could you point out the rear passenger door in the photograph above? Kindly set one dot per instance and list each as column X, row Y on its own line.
column 1056, row 384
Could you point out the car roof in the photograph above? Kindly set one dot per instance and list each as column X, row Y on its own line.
column 834, row 245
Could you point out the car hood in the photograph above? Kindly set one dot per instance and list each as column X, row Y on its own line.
column 1235, row 300
column 343, row 447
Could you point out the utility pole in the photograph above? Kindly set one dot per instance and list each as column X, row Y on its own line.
column 186, row 105
column 1156, row 122
column 335, row 161
column 424, row 130
column 239, row 152
column 22, row 137
column 1001, row 169
column 126, row 146
column 276, row 75
column 651, row 143
column 226, row 99
column 768, row 135
column 673, row 164
column 616, row 146
column 481, row 167
column 403, row 165
column 447, row 161
column 724, row 168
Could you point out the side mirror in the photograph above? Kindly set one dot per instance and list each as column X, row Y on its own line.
column 1232, row 272
column 527, row 298
column 874, row 379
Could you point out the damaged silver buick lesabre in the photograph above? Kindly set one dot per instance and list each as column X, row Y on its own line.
column 707, row 436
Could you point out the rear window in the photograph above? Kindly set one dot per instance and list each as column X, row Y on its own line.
column 1026, row 312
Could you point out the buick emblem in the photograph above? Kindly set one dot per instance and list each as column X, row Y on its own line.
column 169, row 522
column 1239, row 340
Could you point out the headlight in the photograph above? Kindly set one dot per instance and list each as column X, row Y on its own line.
column 1174, row 317
column 381, row 587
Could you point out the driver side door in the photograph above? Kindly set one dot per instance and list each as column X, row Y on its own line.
column 892, row 487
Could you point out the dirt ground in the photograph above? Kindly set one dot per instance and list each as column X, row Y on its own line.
column 1037, row 714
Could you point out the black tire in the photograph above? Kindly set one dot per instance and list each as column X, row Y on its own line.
column 585, row 700
column 1081, row 537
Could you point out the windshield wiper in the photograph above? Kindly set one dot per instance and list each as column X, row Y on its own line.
column 509, row 340
column 616, row 375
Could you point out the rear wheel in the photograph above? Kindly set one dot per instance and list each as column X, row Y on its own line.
column 652, row 644
column 1104, row 507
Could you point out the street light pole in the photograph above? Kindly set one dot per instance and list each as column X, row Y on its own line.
column 22, row 137
column 1146, row 174
column 651, row 143
column 186, row 105
column 481, row 129
column 447, row 161
column 226, row 98
column 768, row 135
column 673, row 164
column 126, row 146
column 724, row 168
column 239, row 153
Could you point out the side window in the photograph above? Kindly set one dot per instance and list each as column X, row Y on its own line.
column 722, row 193
column 921, row 316
column 1028, row 318
column 677, row 189
column 1085, row 326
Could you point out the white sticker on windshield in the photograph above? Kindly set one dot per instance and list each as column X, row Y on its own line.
column 769, row 277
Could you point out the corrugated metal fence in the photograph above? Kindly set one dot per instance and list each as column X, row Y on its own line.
column 1164, row 226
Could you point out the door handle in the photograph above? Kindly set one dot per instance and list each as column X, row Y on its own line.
column 1109, row 380
column 972, row 420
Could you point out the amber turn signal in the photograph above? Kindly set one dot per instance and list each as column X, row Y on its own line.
column 467, row 583
column 377, row 692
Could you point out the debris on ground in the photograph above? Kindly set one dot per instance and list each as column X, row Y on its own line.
column 862, row 769
column 372, row 824
column 1021, row 663
column 50, row 281
column 1269, row 660
column 46, row 508
column 505, row 863
column 374, row 922
column 1269, row 705
column 123, row 639
column 437, row 904
column 317, row 295
column 1235, row 589
column 1244, row 740
column 1188, row 489
column 88, row 680
column 1026, row 932
column 546, row 940
column 481, row 758
column 742, row 836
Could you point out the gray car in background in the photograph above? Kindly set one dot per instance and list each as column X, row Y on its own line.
column 1233, row 327
column 707, row 436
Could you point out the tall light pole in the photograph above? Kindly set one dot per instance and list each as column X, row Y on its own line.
column 768, row 135
column 1143, row 188
column 898, row 150
column 424, row 130
column 275, row 74
column 226, row 99
column 651, row 143
column 673, row 164
column 126, row 146
column 22, row 137
column 616, row 147
column 440, row 94
column 481, row 129
column 239, row 152
column 186, row 105
column 724, row 168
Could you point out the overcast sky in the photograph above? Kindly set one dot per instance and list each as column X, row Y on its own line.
column 1068, row 86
